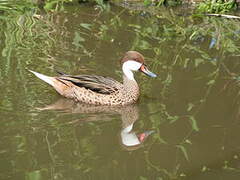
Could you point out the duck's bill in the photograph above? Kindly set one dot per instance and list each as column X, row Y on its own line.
column 144, row 135
column 144, row 69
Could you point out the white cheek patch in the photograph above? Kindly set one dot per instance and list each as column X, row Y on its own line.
column 130, row 66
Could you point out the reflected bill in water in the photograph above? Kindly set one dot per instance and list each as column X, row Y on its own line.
column 130, row 140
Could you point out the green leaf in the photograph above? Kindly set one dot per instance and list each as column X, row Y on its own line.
column 147, row 2
column 188, row 141
column 184, row 151
column 77, row 40
column 190, row 106
column 135, row 26
column 198, row 61
column 194, row 123
column 204, row 168
column 86, row 26
column 142, row 178
column 211, row 82
column 50, row 5
column 34, row 175
column 186, row 62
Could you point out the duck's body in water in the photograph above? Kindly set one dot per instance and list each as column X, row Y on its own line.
column 99, row 90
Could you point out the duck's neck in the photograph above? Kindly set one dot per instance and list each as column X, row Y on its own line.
column 130, row 85
column 128, row 73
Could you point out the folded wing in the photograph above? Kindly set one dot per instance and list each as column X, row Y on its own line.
column 98, row 84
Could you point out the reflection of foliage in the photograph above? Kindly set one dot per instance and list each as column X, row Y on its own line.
column 177, row 48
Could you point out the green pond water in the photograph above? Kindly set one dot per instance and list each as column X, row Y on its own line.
column 190, row 111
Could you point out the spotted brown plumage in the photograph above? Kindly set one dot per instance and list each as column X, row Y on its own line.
column 99, row 90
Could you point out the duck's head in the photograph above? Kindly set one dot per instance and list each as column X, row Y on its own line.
column 134, row 61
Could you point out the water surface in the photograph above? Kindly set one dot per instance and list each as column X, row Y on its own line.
column 191, row 109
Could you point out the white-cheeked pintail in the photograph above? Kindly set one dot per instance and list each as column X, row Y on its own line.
column 99, row 90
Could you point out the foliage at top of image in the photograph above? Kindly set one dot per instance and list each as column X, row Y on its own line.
column 55, row 4
column 210, row 6
column 217, row 6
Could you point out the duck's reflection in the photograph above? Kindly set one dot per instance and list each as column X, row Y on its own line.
column 129, row 115
column 129, row 138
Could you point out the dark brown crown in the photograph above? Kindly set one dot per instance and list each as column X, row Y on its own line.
column 133, row 55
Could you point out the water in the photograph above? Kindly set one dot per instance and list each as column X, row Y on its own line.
column 190, row 112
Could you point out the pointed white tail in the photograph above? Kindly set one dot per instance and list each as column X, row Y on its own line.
column 47, row 79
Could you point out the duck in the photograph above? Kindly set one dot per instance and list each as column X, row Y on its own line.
column 99, row 90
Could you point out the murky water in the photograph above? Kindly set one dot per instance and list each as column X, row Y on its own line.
column 185, row 125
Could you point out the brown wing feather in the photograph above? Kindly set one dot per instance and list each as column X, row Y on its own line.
column 99, row 84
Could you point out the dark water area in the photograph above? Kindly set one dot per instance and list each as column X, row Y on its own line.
column 187, row 117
